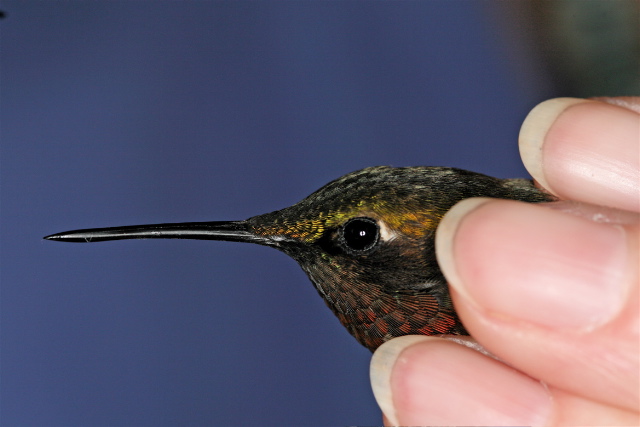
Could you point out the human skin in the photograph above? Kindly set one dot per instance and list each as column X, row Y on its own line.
column 548, row 292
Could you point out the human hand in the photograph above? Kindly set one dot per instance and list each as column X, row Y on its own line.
column 551, row 292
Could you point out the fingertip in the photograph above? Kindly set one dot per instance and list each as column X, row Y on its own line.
column 534, row 130
column 584, row 150
column 381, row 368
column 428, row 380
column 538, row 265
column 446, row 235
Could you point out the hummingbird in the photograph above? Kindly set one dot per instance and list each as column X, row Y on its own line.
column 365, row 240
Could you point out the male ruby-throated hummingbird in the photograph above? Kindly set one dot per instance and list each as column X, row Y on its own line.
column 366, row 241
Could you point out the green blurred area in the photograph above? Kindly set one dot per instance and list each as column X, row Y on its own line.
column 589, row 47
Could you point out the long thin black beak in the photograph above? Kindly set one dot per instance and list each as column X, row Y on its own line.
column 234, row 231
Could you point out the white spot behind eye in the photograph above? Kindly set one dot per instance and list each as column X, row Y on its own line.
column 386, row 233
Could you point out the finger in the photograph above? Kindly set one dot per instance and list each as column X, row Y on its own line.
column 429, row 381
column 584, row 150
column 572, row 410
column 557, row 298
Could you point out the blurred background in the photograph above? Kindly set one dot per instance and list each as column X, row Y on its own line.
column 130, row 112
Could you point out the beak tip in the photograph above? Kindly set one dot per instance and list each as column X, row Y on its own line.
column 66, row 237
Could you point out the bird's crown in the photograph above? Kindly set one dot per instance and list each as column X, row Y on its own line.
column 405, row 201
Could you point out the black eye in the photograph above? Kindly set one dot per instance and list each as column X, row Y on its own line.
column 360, row 234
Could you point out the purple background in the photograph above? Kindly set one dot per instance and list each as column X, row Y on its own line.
column 127, row 112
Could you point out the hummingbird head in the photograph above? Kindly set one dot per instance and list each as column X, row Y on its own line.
column 366, row 241
column 378, row 224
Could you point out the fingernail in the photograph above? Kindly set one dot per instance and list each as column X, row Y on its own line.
column 428, row 381
column 380, row 371
column 534, row 264
column 584, row 150
column 533, row 132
